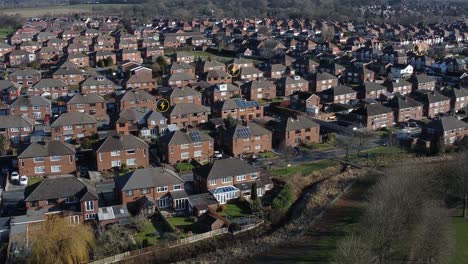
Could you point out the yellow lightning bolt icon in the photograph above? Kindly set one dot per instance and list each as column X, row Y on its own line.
column 163, row 105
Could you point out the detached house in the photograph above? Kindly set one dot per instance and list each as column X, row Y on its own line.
column 75, row 198
column 122, row 149
column 180, row 146
column 34, row 107
column 47, row 158
column 228, row 179
column 72, row 125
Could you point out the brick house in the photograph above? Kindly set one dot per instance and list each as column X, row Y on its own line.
column 228, row 179
column 49, row 88
column 276, row 71
column 305, row 102
column 257, row 90
column 79, row 59
column 238, row 109
column 147, row 187
column 219, row 92
column 183, row 95
column 184, row 115
column 18, row 58
column 206, row 66
column 25, row 77
column 133, row 121
column 137, row 98
column 341, row 94
column 5, row 49
column 289, row 85
column 186, row 145
column 180, row 80
column 73, row 197
column 217, row 76
column 33, row 107
column 249, row 138
column 405, row 109
column 129, row 55
column 294, row 131
column 47, row 158
column 304, row 65
column 399, row 86
column 9, row 91
column 434, row 103
column 48, row 55
column 184, row 57
column 15, row 128
column 91, row 104
column 423, row 82
column 446, row 130
column 141, row 82
column 73, row 125
column 373, row 116
column 250, row 74
column 182, row 67
column 69, row 74
column 323, row 81
column 97, row 85
column 458, row 98
column 371, row 90
column 119, row 149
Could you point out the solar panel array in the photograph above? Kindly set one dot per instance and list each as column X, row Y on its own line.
column 243, row 132
column 246, row 104
column 195, row 135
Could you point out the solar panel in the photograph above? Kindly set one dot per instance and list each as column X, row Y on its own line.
column 195, row 135
column 246, row 104
column 243, row 132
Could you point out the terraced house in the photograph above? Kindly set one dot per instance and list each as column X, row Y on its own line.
column 186, row 145
column 47, row 158
column 122, row 149
column 73, row 125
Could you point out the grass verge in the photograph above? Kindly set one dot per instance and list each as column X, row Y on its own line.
column 303, row 169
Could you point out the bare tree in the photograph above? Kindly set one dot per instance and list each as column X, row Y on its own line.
column 353, row 250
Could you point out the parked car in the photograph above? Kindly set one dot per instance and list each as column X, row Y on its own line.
column 23, row 180
column 218, row 155
column 15, row 176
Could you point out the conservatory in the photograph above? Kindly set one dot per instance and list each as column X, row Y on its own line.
column 224, row 194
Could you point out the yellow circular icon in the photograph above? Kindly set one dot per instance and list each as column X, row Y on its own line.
column 420, row 49
column 233, row 70
column 162, row 105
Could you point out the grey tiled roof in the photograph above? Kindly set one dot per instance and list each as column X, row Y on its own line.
column 301, row 122
column 225, row 168
column 179, row 137
column 122, row 142
column 73, row 118
column 86, row 99
column 13, row 121
column 48, row 83
column 146, row 178
column 253, row 128
column 138, row 95
column 46, row 149
column 30, row 101
column 187, row 108
column 447, row 123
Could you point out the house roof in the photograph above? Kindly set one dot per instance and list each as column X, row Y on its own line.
column 235, row 103
column 224, row 168
column 62, row 186
column 372, row 110
column 446, row 123
column 122, row 142
column 30, row 101
column 187, row 108
column 183, row 92
column 147, row 178
column 179, row 137
column 136, row 95
column 73, row 118
column 86, row 99
column 133, row 114
column 342, row 89
column 246, row 131
column 47, row 149
column 293, row 124
column 373, row 87
column 403, row 102
column 22, row 72
column 14, row 121
column 97, row 80
column 47, row 83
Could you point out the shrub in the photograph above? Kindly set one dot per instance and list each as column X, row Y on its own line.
column 234, row 227
column 184, row 167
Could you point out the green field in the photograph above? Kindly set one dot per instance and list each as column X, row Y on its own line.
column 60, row 10
column 4, row 31
column 461, row 228
column 303, row 169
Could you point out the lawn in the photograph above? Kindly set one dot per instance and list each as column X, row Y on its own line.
column 4, row 31
column 461, row 227
column 303, row 169
column 34, row 180
column 182, row 223
column 236, row 210
column 147, row 233
column 268, row 155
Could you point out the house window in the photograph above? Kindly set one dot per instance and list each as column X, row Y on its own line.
column 56, row 168
column 130, row 151
column 176, row 187
column 226, row 179
column 198, row 153
column 131, row 162
column 184, row 146
column 71, row 199
column 163, row 202
column 38, row 159
column 145, row 190
column 55, row 158
column 115, row 153
column 90, row 216
column 241, row 178
column 75, row 219
column 51, row 201
column 253, row 176
column 89, row 205
column 198, row 144
column 185, row 155
column 115, row 163
column 161, row 189
column 67, row 127
column 26, row 129
column 213, row 182
column 34, row 203
column 129, row 193
column 14, row 129
column 39, row 170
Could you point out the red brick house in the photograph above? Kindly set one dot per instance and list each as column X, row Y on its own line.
column 249, row 138
column 458, row 98
column 52, row 88
column 184, row 115
column 129, row 55
column 137, row 98
column 180, row 146
column 373, row 116
column 405, row 109
column 446, row 131
column 399, row 86
column 97, row 85
column 69, row 74
column 73, row 125
column 238, row 109
column 220, row 92
column 140, row 82
column 434, row 103
column 257, row 90
column 323, row 81
column 294, row 131
column 341, row 94
column 25, row 77
column 183, row 95
column 33, row 107
column 73, row 197
column 91, row 104
column 47, row 158
column 17, row 129
column 122, row 149
column 423, row 82
column 9, row 91
column 371, row 90
column 289, row 85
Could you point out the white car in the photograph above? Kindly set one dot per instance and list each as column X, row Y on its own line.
column 15, row 176
column 23, row 180
column 218, row 155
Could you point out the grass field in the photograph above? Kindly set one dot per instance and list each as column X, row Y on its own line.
column 235, row 210
column 303, row 169
column 182, row 223
column 59, row 10
column 4, row 31
column 461, row 228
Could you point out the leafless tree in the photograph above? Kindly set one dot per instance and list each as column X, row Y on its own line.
column 353, row 250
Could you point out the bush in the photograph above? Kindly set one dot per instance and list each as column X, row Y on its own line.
column 234, row 227
column 284, row 199
column 184, row 167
